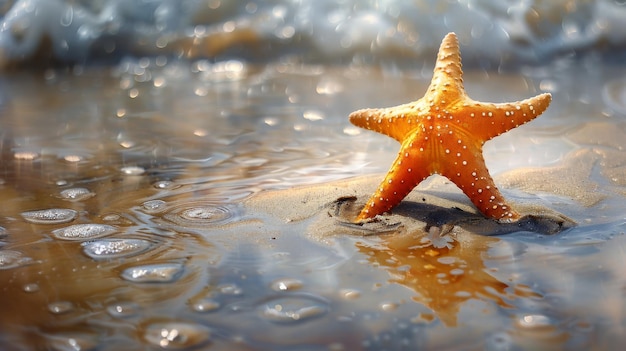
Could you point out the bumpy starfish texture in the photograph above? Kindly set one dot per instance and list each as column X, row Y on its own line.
column 443, row 133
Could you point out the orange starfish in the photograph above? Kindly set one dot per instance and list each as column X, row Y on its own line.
column 443, row 133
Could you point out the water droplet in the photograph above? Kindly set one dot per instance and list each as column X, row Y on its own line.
column 133, row 170
column 50, row 216
column 349, row 294
column 12, row 259
column 60, row 307
column 201, row 215
column 84, row 231
column 205, row 305
column 388, row 306
column 166, row 184
column 31, row 288
column 73, row 342
column 286, row 284
column 115, row 248
column 293, row 309
column 230, row 289
column 123, row 309
column 534, row 321
column 76, row 194
column 154, row 273
column 154, row 205
column 176, row 335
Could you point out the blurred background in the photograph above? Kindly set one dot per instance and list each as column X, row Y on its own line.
column 493, row 33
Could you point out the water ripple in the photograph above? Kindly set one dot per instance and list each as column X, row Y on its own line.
column 201, row 214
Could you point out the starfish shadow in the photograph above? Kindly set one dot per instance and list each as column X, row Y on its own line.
column 345, row 209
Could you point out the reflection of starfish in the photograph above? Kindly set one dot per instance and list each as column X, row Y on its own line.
column 443, row 133
column 443, row 278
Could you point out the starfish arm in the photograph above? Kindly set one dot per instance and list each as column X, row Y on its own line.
column 395, row 122
column 488, row 120
column 473, row 178
column 447, row 81
column 408, row 170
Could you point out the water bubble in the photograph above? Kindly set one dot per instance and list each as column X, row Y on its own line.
column 123, row 309
column 205, row 305
column 84, row 231
column 176, row 335
column 76, row 194
column 12, row 259
column 133, row 170
column 115, row 248
column 154, row 273
column 286, row 284
column 60, row 307
column 201, row 215
column 50, row 216
column 293, row 309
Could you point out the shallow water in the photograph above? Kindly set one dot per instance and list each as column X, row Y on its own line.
column 124, row 224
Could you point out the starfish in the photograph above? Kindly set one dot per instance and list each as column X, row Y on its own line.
column 443, row 133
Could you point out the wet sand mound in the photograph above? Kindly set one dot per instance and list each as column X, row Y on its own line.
column 436, row 210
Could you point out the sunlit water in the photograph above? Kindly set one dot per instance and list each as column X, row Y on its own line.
column 123, row 225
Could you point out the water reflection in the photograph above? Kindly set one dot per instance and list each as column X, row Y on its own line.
column 126, row 217
column 443, row 278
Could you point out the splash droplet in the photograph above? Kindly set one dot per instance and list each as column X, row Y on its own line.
column 84, row 231
column 153, row 273
column 176, row 335
column 76, row 194
column 50, row 216
column 115, row 248
column 293, row 309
